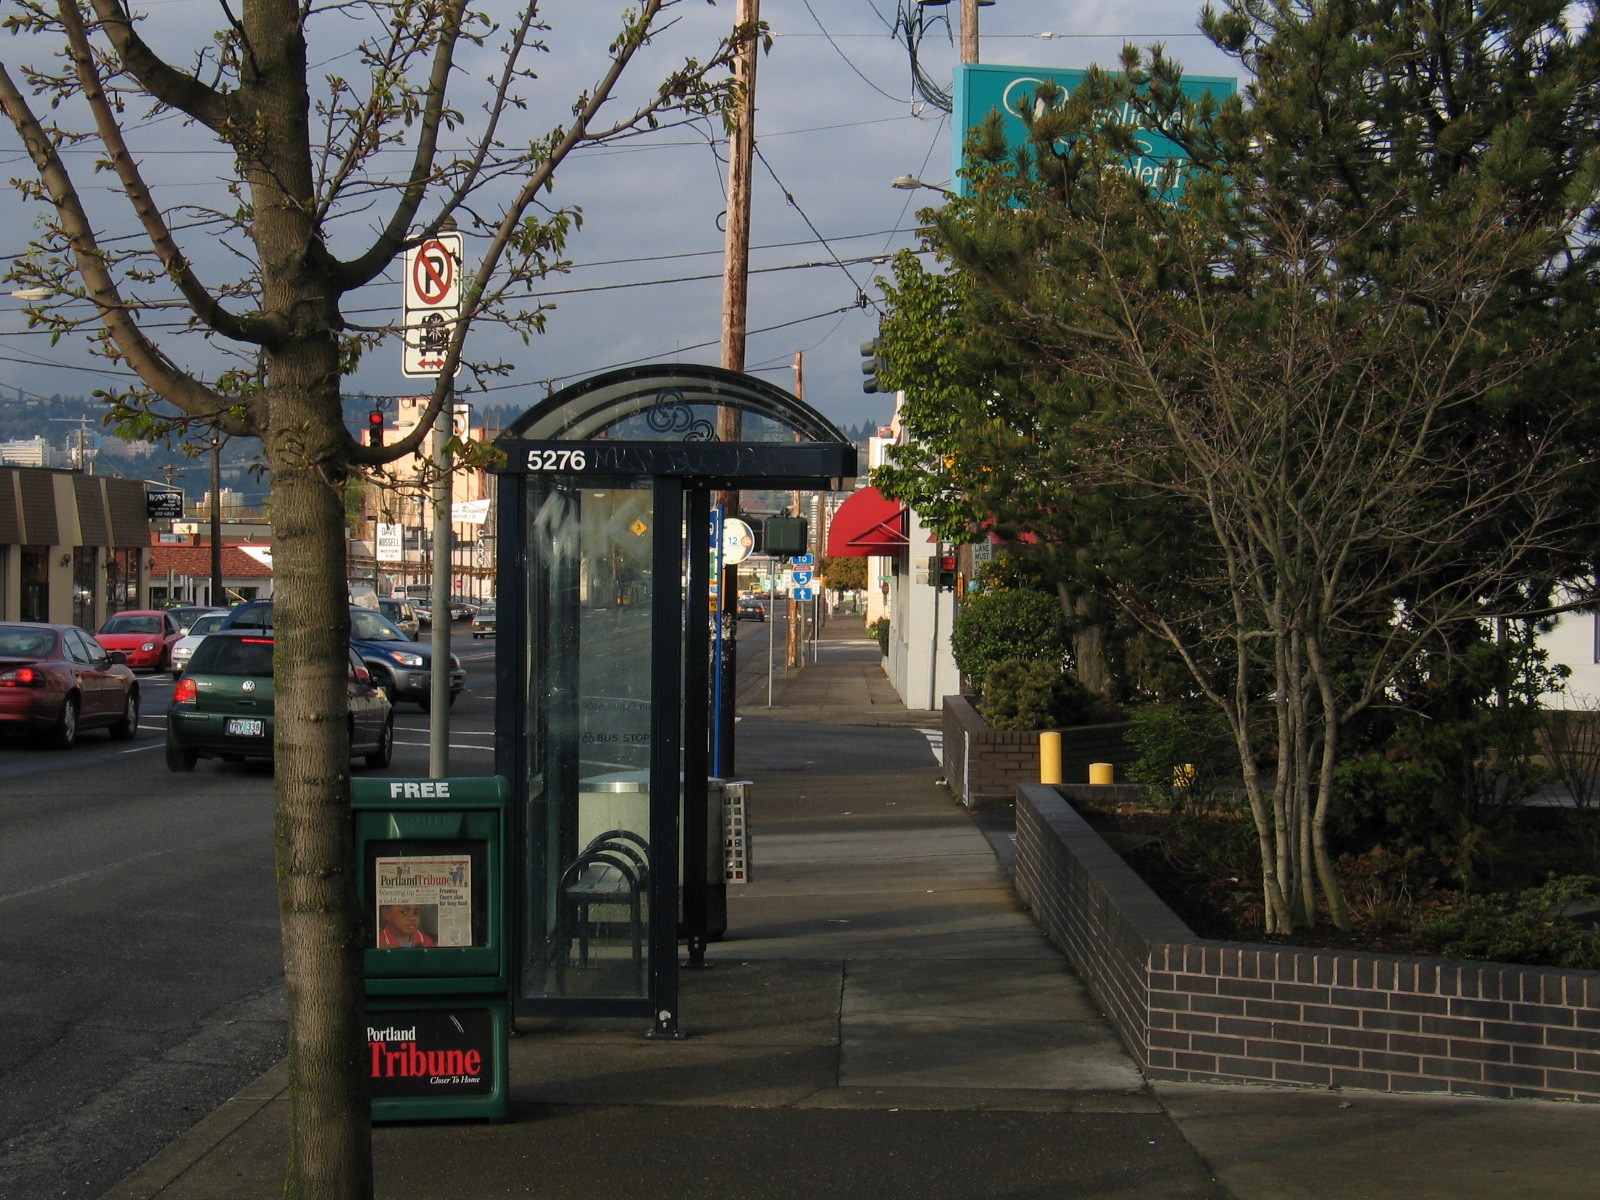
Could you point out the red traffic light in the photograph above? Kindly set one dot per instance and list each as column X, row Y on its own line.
column 375, row 428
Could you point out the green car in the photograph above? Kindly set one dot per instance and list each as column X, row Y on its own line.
column 222, row 705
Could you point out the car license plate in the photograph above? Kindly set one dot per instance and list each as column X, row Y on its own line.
column 245, row 727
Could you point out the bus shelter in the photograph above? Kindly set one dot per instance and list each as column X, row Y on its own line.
column 602, row 714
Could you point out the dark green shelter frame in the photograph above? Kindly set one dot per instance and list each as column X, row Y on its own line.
column 601, row 668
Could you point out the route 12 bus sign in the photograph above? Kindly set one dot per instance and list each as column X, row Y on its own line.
column 432, row 284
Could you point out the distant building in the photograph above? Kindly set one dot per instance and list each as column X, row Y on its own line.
column 182, row 573
column 35, row 452
column 73, row 547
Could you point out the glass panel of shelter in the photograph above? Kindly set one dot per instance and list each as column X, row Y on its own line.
column 589, row 676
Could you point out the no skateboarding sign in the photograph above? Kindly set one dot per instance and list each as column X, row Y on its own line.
column 432, row 282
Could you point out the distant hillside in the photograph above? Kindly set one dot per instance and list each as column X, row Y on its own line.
column 60, row 419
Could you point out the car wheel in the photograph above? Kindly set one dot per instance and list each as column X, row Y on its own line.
column 127, row 728
column 180, row 758
column 65, row 732
column 384, row 754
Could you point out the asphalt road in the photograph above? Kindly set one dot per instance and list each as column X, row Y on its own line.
column 142, row 980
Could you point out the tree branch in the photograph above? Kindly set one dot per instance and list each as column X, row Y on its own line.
column 167, row 84
column 145, row 358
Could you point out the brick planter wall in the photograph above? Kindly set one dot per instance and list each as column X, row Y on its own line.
column 983, row 766
column 1205, row 1011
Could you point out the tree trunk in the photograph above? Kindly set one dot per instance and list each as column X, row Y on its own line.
column 1088, row 641
column 329, row 1112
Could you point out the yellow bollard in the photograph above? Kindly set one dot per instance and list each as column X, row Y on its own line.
column 1101, row 774
column 1049, row 758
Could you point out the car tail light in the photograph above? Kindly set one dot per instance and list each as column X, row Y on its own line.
column 363, row 675
column 22, row 677
column 186, row 692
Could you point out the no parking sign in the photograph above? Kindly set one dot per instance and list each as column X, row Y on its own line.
column 432, row 282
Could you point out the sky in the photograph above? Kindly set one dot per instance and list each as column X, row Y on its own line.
column 836, row 121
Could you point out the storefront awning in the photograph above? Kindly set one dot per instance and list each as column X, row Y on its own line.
column 867, row 523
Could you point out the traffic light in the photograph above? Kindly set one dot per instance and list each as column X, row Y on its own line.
column 375, row 428
column 942, row 572
column 871, row 363
column 785, row 536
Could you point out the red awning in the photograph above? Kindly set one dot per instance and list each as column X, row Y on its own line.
column 867, row 524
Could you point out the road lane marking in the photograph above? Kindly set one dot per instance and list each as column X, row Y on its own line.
column 80, row 876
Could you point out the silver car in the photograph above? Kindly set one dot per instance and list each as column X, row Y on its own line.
column 183, row 648
column 483, row 622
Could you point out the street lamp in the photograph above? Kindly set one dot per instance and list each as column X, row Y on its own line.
column 910, row 183
column 32, row 294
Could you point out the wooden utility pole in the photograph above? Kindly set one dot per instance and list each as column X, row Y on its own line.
column 735, row 304
column 736, row 254
column 969, row 31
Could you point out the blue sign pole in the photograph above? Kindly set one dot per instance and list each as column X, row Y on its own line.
column 718, row 661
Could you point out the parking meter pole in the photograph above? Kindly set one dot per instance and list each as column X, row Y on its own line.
column 439, row 675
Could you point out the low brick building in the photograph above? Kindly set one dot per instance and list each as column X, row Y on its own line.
column 73, row 547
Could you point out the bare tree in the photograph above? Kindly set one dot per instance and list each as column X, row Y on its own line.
column 1312, row 440
column 314, row 214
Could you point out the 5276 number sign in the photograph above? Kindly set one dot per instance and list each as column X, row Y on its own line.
column 557, row 460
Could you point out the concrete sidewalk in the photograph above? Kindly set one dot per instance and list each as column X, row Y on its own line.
column 884, row 1021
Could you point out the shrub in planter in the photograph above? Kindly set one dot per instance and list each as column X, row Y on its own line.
column 996, row 626
column 1182, row 747
column 880, row 630
column 1037, row 694
column 1527, row 928
column 1187, row 762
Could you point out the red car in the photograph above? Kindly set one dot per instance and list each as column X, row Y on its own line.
column 145, row 635
column 57, row 680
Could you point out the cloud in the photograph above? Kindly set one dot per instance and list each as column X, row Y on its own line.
column 830, row 136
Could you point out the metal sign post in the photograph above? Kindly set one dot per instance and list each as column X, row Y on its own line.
column 431, row 284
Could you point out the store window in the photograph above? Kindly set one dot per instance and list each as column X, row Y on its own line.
column 122, row 579
column 35, row 581
column 83, row 588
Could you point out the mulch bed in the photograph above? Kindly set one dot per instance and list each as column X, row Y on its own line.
column 1230, row 909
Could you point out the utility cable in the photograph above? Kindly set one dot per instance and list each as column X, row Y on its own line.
column 840, row 52
column 862, row 299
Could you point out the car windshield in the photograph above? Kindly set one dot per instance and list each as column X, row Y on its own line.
column 27, row 643
column 368, row 626
column 233, row 656
column 125, row 624
column 206, row 624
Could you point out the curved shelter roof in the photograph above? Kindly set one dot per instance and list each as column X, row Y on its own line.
column 675, row 402
column 661, row 419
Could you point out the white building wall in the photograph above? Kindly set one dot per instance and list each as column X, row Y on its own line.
column 920, row 666
column 1575, row 642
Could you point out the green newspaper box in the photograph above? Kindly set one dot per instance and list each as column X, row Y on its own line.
column 431, row 858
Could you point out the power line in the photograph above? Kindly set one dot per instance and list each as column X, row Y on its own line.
column 861, row 296
column 840, row 52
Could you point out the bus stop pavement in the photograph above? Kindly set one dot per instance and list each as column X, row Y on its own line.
column 883, row 1020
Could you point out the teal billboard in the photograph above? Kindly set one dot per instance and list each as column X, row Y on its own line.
column 981, row 88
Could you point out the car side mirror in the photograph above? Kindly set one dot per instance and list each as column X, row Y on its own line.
column 116, row 658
